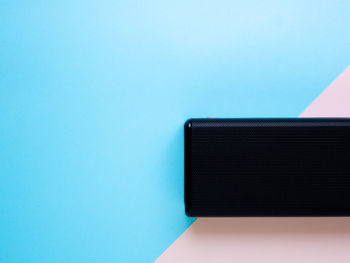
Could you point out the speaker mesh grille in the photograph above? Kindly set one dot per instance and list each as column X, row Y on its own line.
column 262, row 167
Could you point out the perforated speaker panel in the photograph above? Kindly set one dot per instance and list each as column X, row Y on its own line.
column 267, row 167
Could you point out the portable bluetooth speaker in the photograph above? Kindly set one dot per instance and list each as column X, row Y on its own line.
column 267, row 167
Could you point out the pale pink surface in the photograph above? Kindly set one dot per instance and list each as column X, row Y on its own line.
column 273, row 239
column 262, row 240
column 334, row 101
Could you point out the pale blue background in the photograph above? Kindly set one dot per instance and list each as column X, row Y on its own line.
column 93, row 96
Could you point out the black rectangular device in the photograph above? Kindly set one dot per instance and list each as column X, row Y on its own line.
column 267, row 167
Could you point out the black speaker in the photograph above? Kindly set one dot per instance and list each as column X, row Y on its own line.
column 267, row 167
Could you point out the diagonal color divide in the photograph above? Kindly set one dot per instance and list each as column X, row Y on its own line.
column 272, row 239
column 334, row 101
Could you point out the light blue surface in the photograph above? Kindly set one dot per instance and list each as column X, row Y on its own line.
column 93, row 96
